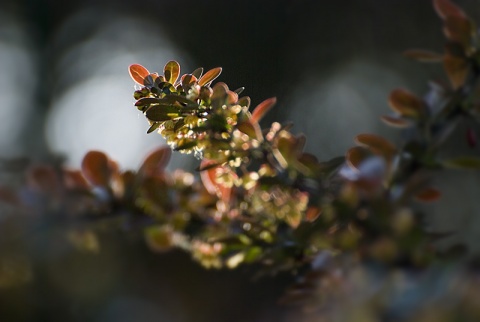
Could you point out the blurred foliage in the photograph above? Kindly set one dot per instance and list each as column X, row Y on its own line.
column 348, row 228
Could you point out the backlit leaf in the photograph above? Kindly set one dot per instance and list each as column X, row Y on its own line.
column 262, row 109
column 188, row 80
column 356, row 155
column 406, row 104
column 210, row 76
column 239, row 90
column 244, row 101
column 445, row 8
column 171, row 71
column 156, row 161
column 377, row 144
column 198, row 72
column 251, row 129
column 424, row 56
column 138, row 73
column 395, row 121
column 312, row 213
column 457, row 70
column 459, row 29
column 96, row 168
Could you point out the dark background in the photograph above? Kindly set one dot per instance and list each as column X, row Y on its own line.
column 65, row 89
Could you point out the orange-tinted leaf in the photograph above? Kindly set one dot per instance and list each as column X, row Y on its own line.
column 74, row 179
column 210, row 76
column 377, row 144
column 428, row 195
column 459, row 29
column 138, row 73
column 188, row 80
column 209, row 180
column 171, row 71
column 312, row 213
column 356, row 155
column 96, row 168
column 406, row 104
column 262, row 109
column 44, row 178
column 395, row 121
column 156, row 161
column 424, row 56
column 445, row 8
column 456, row 69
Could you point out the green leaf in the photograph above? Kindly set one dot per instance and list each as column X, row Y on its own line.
column 152, row 128
column 171, row 71
column 463, row 162
column 187, row 145
column 147, row 101
column 159, row 113
column 210, row 76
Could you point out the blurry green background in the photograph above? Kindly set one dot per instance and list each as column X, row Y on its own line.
column 65, row 89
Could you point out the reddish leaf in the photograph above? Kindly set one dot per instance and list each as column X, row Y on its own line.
column 210, row 76
column 96, row 168
column 459, row 29
column 74, row 179
column 188, row 80
column 428, row 195
column 356, row 155
column 209, row 180
column 445, row 8
column 457, row 70
column 44, row 178
column 424, row 56
column 406, row 104
column 171, row 71
column 377, row 144
column 138, row 73
column 312, row 213
column 156, row 161
column 395, row 121
column 262, row 109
